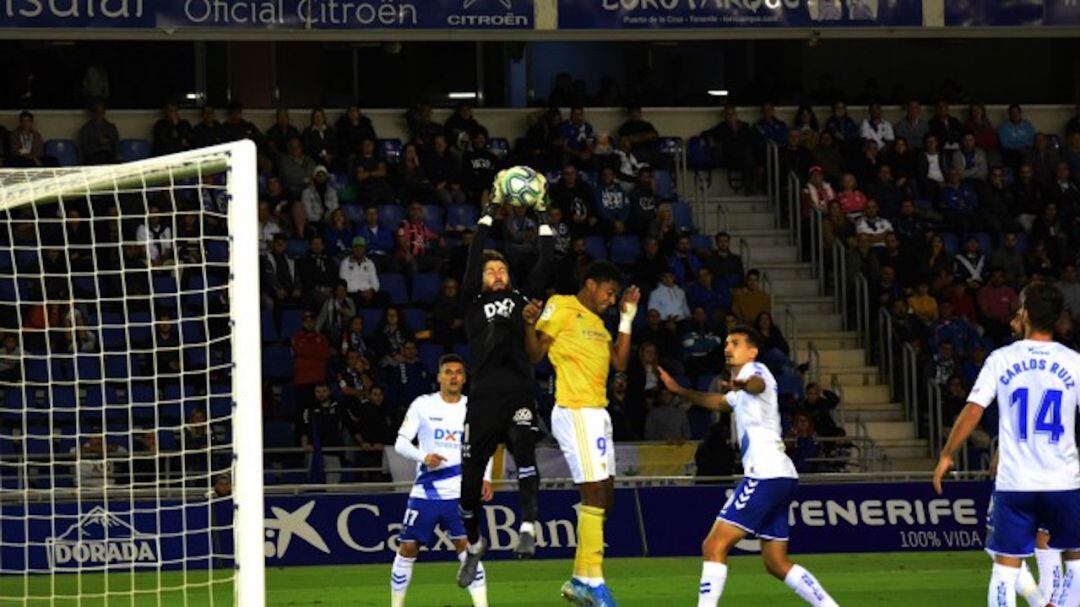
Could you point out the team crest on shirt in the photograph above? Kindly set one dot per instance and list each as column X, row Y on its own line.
column 549, row 311
column 523, row 415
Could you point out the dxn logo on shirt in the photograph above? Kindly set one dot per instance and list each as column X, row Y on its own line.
column 100, row 541
column 503, row 308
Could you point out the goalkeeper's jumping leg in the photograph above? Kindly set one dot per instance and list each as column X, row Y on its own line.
column 522, row 436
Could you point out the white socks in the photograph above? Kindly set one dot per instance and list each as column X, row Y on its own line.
column 713, row 578
column 1002, row 591
column 1027, row 587
column 528, row 527
column 808, row 588
column 478, row 588
column 1049, row 561
column 1068, row 593
column 400, row 575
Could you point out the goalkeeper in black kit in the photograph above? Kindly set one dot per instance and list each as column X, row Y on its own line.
column 501, row 399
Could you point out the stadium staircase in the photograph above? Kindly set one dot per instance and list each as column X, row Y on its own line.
column 811, row 320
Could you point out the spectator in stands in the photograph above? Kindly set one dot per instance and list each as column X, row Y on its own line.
column 819, row 193
column 166, row 346
column 560, row 230
column 802, row 443
column 865, row 167
column 1040, row 265
column 412, row 179
column 971, row 266
column 734, row 143
column 669, row 299
column 479, row 167
column 236, row 127
column 684, row 262
column 1050, row 230
column 418, row 246
column 663, row 228
column 338, row 234
column 1064, row 193
column 959, row 203
column 96, row 461
column 360, row 275
column 75, row 337
column 146, row 469
column 944, row 363
column 820, row 404
column 172, row 133
column 952, row 329
column 1071, row 154
column 725, row 265
column 828, row 156
column 1029, row 195
column 409, row 378
column 844, row 130
column 336, row 312
column 769, row 127
column 945, row 128
column 371, row 175
column 448, row 316
column 836, row 226
column 379, row 241
column 99, row 141
column 1010, row 260
column 650, row 266
column 863, row 259
column 1043, row 159
column 1068, row 286
column 775, row 352
column 922, row 304
column 318, row 200
column 667, row 421
column 751, row 300
column 281, row 282
column 640, row 134
column 521, row 240
column 714, row 296
column 209, row 131
column 643, row 200
column 295, row 168
column 873, row 225
column 1016, row 135
column 980, row 127
column 279, row 135
column 875, row 128
column 320, row 272
column 930, row 168
column 702, row 345
column 352, row 129
column 997, row 203
column 324, row 425
column 461, row 126
column 901, row 159
column 852, row 200
column 886, row 192
column 320, row 140
column 904, row 263
column 352, row 339
column 612, row 204
column 391, row 336
column 443, row 171
column 575, row 198
column 26, row 146
column 794, row 156
column 971, row 160
column 807, row 125
column 643, row 377
column 571, row 268
column 998, row 304
column 912, row 128
column 157, row 236
column 577, row 139
column 310, row 352
column 618, row 409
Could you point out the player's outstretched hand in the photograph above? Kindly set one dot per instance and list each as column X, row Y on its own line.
column 669, row 382
column 433, row 460
column 532, row 311
column 630, row 297
column 487, row 493
column 944, row 464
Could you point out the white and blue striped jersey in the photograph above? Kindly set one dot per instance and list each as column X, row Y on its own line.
column 757, row 419
column 440, row 427
column 1034, row 383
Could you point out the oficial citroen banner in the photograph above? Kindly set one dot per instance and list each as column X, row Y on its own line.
column 328, row 529
column 269, row 14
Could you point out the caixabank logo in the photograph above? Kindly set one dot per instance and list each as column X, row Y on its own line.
column 101, row 540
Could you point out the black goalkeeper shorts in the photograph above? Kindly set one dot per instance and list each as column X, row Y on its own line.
column 497, row 417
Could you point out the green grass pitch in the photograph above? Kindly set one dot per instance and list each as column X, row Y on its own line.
column 941, row 579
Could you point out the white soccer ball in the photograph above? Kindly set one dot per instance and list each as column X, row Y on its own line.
column 521, row 186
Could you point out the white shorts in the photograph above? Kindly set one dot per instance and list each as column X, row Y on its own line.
column 584, row 436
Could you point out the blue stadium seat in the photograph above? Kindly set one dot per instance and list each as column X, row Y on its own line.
column 394, row 285
column 500, row 147
column 220, row 407
column 142, row 393
column 594, row 246
column 134, row 149
column 625, row 250
column 84, row 286
column 63, row 150
column 433, row 217
column 390, row 149
column 14, row 398
column 117, row 366
column 62, row 397
column 277, row 362
column 684, row 216
column 665, row 183
column 269, row 327
column 217, row 250
column 415, row 319
column 290, row 323
column 462, row 215
column 698, row 155
column 353, row 212
column 430, row 354
column 287, row 404
column 7, row 290
column 297, row 248
column 36, row 370
column 93, row 397
column 164, row 284
column 790, row 385
column 390, row 216
column 462, row 350
column 1022, row 242
column 952, row 243
column 372, row 318
column 425, row 287
column 195, row 357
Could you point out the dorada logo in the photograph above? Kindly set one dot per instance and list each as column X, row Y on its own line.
column 285, row 525
column 99, row 541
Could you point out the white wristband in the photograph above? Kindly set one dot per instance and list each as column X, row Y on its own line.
column 626, row 319
column 545, row 230
column 486, row 220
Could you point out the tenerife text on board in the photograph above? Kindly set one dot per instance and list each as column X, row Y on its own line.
column 670, row 5
column 73, row 9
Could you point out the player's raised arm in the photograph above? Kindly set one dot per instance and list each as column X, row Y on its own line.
column 537, row 343
column 541, row 274
column 473, row 281
column 707, row 400
column 620, row 350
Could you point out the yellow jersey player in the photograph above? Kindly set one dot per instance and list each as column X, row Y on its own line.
column 571, row 332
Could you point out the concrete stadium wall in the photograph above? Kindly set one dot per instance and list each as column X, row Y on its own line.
column 509, row 123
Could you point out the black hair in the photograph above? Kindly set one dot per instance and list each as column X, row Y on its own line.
column 449, row 359
column 26, row 114
column 752, row 335
column 601, row 272
column 754, row 273
column 1044, row 305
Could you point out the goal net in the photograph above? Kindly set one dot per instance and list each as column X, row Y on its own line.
column 130, row 419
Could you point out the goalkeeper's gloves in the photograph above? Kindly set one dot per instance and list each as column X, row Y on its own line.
column 495, row 200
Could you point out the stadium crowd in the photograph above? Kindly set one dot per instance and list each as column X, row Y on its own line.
column 363, row 243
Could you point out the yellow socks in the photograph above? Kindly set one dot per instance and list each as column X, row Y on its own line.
column 589, row 558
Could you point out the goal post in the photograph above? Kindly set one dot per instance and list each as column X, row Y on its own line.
column 131, row 384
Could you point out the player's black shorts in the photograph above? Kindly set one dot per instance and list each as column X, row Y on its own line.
column 494, row 417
